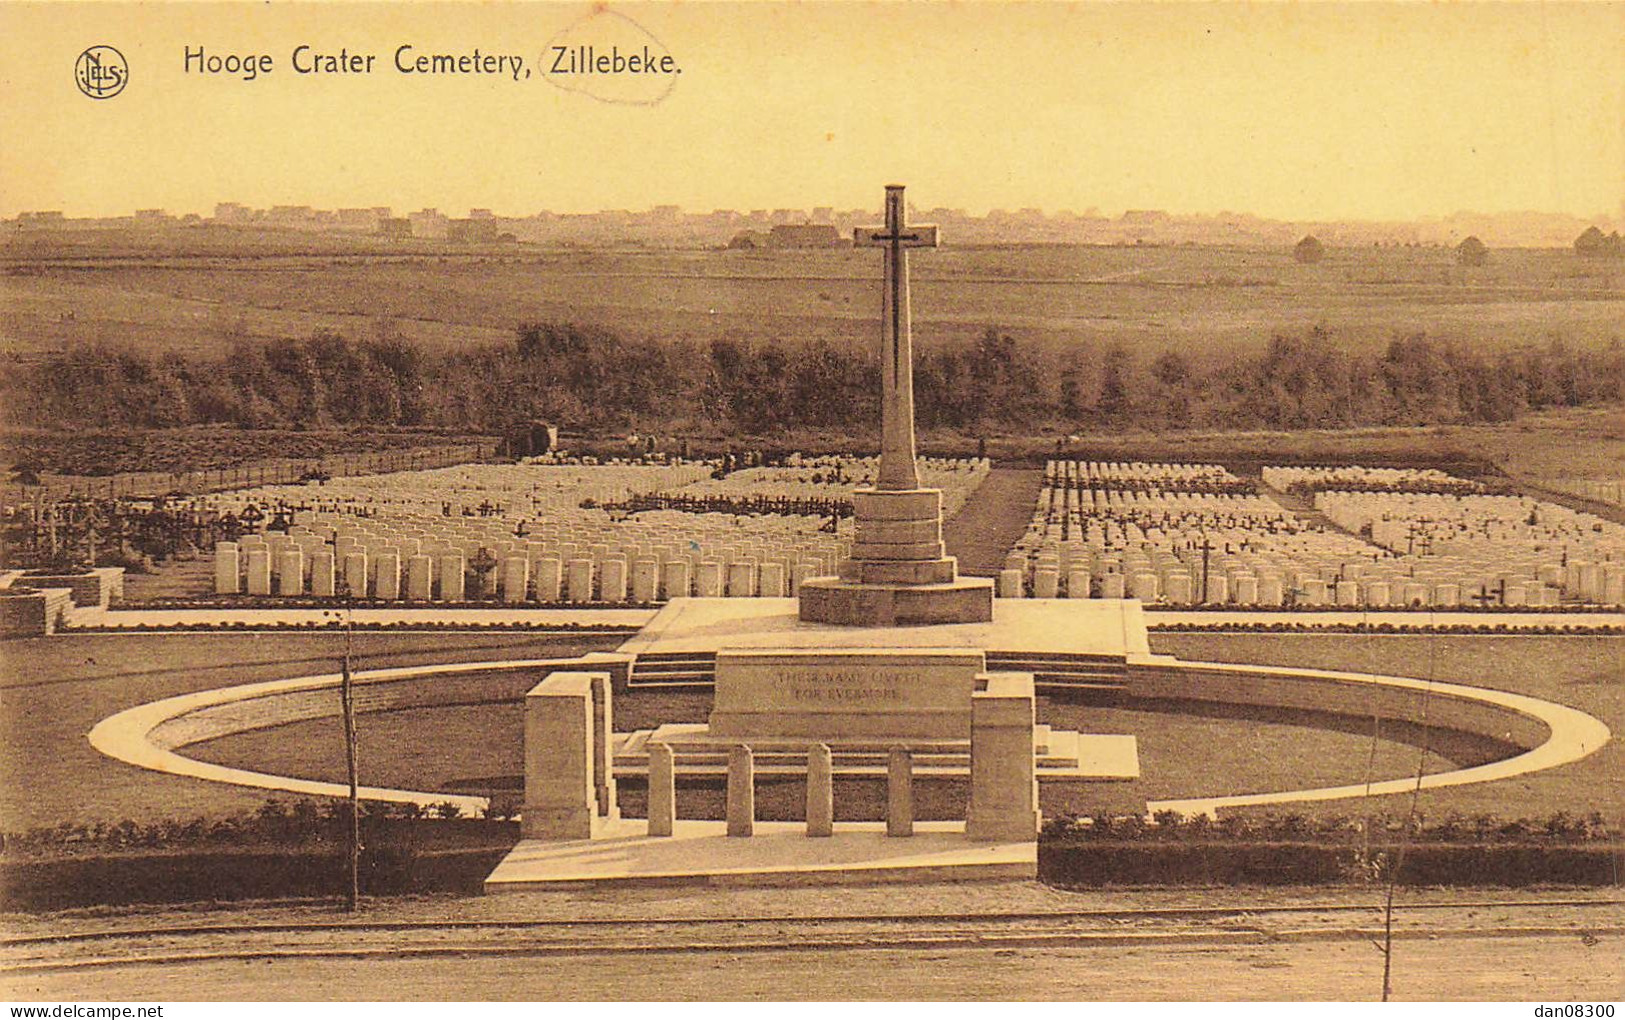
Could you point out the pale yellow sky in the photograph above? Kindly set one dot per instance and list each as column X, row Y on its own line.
column 1293, row 111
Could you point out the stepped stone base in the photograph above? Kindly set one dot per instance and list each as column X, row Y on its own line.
column 876, row 604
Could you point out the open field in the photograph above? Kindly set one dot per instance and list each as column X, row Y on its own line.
column 1200, row 300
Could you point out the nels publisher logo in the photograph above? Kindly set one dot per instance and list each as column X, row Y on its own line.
column 100, row 72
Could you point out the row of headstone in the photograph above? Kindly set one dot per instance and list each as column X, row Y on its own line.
column 386, row 574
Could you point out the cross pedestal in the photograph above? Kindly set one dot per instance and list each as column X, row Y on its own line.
column 898, row 573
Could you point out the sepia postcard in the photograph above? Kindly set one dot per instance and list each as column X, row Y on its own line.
column 819, row 501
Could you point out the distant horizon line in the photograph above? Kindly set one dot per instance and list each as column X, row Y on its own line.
column 1061, row 214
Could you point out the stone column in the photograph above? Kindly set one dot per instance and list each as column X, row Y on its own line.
column 580, row 580
column 387, row 576
column 226, row 581
column 674, row 579
column 645, row 580
column 560, row 802
column 451, row 577
column 515, row 579
column 1003, row 765
column 741, row 791
column 1077, row 584
column 820, row 791
column 708, row 580
column 1046, row 582
column 742, row 580
column 612, row 579
column 321, row 573
column 770, row 581
column 290, row 572
column 355, row 573
column 547, row 573
column 900, row 792
column 1009, row 584
column 419, row 578
column 662, row 790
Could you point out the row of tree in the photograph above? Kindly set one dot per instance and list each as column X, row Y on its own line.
column 588, row 378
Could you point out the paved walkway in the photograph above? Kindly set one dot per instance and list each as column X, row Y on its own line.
column 995, row 517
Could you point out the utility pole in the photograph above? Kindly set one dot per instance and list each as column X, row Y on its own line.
column 352, row 888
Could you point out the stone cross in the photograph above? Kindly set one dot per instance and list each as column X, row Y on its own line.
column 897, row 468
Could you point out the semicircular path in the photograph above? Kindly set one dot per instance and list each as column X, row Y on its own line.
column 148, row 735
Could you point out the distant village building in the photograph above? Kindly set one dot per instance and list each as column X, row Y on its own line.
column 747, row 240
column 1595, row 244
column 428, row 223
column 395, row 226
column 1309, row 250
column 358, row 219
column 232, row 212
column 471, row 231
column 804, row 235
column 43, row 220
column 1472, row 252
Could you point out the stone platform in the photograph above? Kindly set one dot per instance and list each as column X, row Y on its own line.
column 1086, row 627
column 780, row 853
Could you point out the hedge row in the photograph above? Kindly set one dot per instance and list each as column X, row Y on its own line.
column 222, row 875
column 1106, row 863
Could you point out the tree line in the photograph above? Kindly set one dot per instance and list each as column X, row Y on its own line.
column 589, row 378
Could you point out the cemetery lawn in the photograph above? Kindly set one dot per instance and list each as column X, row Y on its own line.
column 1180, row 755
column 53, row 690
column 1587, row 673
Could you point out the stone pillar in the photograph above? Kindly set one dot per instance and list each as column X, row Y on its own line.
column 451, row 577
column 708, row 580
column 1347, row 593
column 1179, row 589
column 387, row 576
column 662, row 790
column 1003, row 766
column 604, row 746
column 612, row 580
column 770, row 581
column 420, row 578
column 547, row 574
column 645, row 580
column 560, row 802
column 742, row 580
column 579, row 580
column 290, row 572
column 820, row 791
column 515, row 579
column 1046, row 583
column 321, row 573
column 1077, row 584
column 741, row 791
column 1111, row 586
column 1144, row 586
column 900, row 792
column 259, row 571
column 355, row 574
column 674, row 579
column 800, row 573
column 226, row 581
column 1009, row 584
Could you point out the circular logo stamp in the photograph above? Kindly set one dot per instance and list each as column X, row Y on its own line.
column 100, row 72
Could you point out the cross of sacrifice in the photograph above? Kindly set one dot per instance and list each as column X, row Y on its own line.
column 897, row 468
